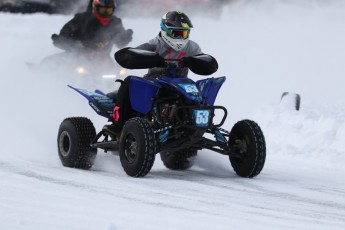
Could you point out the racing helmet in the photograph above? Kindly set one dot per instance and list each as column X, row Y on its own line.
column 103, row 9
column 175, row 29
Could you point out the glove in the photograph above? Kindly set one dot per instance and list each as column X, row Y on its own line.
column 183, row 63
column 67, row 43
column 129, row 33
column 54, row 37
column 127, row 36
column 170, row 65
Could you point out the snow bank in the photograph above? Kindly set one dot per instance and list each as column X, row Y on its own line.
column 315, row 134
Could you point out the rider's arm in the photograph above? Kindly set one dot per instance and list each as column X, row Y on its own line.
column 122, row 36
column 193, row 49
column 201, row 64
column 147, row 46
column 131, row 58
column 69, row 37
column 198, row 62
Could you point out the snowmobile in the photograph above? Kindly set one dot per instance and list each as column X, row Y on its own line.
column 90, row 66
column 175, row 118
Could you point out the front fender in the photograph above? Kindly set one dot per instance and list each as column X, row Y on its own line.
column 141, row 92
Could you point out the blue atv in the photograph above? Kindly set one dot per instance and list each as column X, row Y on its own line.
column 174, row 116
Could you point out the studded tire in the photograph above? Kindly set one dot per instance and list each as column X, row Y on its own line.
column 254, row 152
column 73, row 141
column 179, row 160
column 137, row 148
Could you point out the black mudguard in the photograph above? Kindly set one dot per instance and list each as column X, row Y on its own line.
column 131, row 58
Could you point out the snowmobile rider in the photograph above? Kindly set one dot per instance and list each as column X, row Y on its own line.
column 93, row 32
column 172, row 43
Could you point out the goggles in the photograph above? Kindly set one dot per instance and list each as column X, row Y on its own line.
column 176, row 33
column 104, row 10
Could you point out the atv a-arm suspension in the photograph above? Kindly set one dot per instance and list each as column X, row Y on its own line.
column 223, row 149
column 105, row 144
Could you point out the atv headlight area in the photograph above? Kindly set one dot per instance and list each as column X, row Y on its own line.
column 81, row 70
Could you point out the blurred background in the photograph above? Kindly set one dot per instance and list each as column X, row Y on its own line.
column 149, row 8
column 74, row 6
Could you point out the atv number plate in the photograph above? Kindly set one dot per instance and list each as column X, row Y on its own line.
column 201, row 117
column 190, row 88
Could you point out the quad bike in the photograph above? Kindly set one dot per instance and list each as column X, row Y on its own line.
column 174, row 116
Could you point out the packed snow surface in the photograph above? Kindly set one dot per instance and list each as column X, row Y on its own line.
column 264, row 48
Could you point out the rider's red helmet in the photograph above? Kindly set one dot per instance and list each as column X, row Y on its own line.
column 103, row 10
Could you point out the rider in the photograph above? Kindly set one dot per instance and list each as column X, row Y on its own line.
column 172, row 43
column 93, row 32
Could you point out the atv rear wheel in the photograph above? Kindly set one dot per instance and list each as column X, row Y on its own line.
column 137, row 148
column 179, row 160
column 247, row 137
column 74, row 138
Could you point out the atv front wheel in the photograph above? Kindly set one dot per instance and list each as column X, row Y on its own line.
column 137, row 148
column 74, row 138
column 179, row 160
column 247, row 138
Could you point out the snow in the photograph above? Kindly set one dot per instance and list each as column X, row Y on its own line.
column 264, row 49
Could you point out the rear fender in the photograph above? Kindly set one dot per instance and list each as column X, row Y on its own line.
column 102, row 104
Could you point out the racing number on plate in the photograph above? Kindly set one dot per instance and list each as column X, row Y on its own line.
column 201, row 117
column 189, row 88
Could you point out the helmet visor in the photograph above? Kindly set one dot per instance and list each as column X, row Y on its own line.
column 178, row 33
column 105, row 11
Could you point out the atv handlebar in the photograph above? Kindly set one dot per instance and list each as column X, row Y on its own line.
column 131, row 58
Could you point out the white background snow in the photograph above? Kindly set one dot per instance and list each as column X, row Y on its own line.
column 264, row 48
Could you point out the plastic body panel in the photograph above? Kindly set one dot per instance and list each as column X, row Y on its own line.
column 184, row 85
column 102, row 104
column 141, row 93
column 209, row 88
